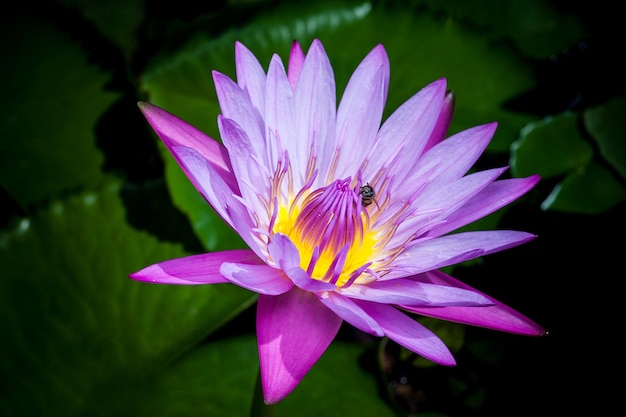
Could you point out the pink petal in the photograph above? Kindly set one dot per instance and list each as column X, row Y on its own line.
column 176, row 132
column 262, row 279
column 409, row 333
column 351, row 312
column 293, row 330
column 361, row 110
column 412, row 292
column 497, row 316
column 296, row 61
column 195, row 269
column 443, row 121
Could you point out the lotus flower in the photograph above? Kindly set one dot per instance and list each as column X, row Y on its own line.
column 345, row 219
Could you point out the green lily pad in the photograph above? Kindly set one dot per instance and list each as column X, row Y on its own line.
column 551, row 147
column 74, row 324
column 590, row 190
column 605, row 123
column 42, row 154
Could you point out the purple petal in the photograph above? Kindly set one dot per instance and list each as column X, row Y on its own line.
column 454, row 156
column 176, row 132
column 361, row 110
column 236, row 105
column 286, row 255
column 293, row 330
column 447, row 250
column 443, row 122
column 195, row 269
column 497, row 316
column 280, row 115
column 412, row 292
column 250, row 75
column 404, row 134
column 296, row 61
column 351, row 312
column 262, row 279
column 495, row 196
column 409, row 333
column 315, row 97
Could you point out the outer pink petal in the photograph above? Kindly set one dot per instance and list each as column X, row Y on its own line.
column 498, row 316
column 410, row 291
column 262, row 279
column 293, row 330
column 409, row 333
column 176, row 132
column 195, row 269
column 296, row 60
column 443, row 122
column 351, row 312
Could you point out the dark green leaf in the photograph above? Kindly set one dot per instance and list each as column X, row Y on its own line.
column 606, row 125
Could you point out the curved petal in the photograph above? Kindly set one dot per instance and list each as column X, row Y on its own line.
column 454, row 156
column 195, row 269
column 316, row 99
column 176, row 132
column 493, row 197
column 293, row 330
column 280, row 116
column 286, row 256
column 443, row 121
column 262, row 279
column 351, row 312
column 360, row 111
column 403, row 136
column 296, row 60
column 442, row 251
column 250, row 75
column 409, row 333
column 497, row 316
column 236, row 105
column 412, row 292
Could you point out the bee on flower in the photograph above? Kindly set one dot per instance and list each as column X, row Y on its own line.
column 288, row 178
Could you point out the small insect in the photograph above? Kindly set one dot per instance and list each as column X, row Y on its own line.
column 367, row 195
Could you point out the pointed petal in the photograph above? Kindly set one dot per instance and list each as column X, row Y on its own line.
column 454, row 156
column 195, row 269
column 296, row 61
column 495, row 196
column 351, row 312
column 315, row 97
column 443, row 121
column 250, row 75
column 262, row 279
column 412, row 292
column 497, row 316
column 404, row 134
column 451, row 249
column 280, row 117
column 236, row 105
column 293, row 330
column 409, row 333
column 361, row 110
column 176, row 132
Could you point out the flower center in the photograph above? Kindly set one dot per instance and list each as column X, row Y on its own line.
column 330, row 228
